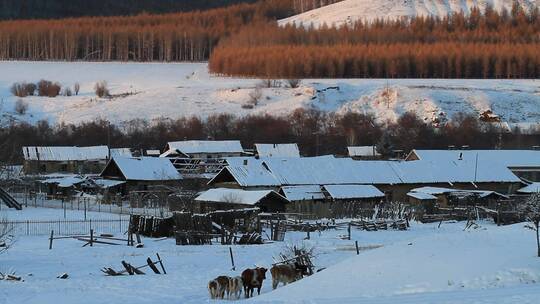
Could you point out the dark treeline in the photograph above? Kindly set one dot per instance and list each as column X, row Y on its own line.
column 488, row 45
column 49, row 9
column 317, row 133
column 189, row 36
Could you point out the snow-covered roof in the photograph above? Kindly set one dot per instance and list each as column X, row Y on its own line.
column 325, row 170
column 145, row 168
column 299, row 193
column 367, row 151
column 508, row 158
column 206, row 146
column 126, row 152
column 236, row 196
column 277, row 150
column 107, row 183
column 65, row 153
column 440, row 190
column 65, row 182
column 421, row 196
column 532, row 188
column 352, row 191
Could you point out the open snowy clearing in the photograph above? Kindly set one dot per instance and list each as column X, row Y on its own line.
column 173, row 90
column 423, row 265
column 349, row 11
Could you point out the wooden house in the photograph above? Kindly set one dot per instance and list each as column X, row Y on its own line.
column 225, row 199
column 447, row 197
column 65, row 159
column 394, row 178
column 139, row 173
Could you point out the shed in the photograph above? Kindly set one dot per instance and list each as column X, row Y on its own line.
column 67, row 159
column 224, row 199
column 204, row 148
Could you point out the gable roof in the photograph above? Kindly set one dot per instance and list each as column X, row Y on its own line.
column 299, row 193
column 277, row 150
column 205, row 146
column 65, row 153
column 352, row 191
column 422, row 196
column 532, row 188
column 369, row 151
column 327, row 170
column 237, row 196
column 440, row 190
column 145, row 168
column 508, row 158
column 126, row 152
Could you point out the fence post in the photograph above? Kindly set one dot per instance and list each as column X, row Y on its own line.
column 357, row 249
column 27, row 227
column 85, row 212
column 232, row 259
column 91, row 237
column 90, row 224
column 349, row 231
column 51, row 239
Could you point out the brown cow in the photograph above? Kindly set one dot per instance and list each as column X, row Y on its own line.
column 253, row 278
column 287, row 273
column 218, row 286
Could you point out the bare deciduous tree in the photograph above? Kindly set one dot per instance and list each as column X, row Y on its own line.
column 76, row 88
column 6, row 238
column 101, row 89
column 255, row 96
column 294, row 83
column 531, row 210
column 21, row 107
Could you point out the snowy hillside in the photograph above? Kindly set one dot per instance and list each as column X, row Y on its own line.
column 447, row 265
column 175, row 90
column 348, row 11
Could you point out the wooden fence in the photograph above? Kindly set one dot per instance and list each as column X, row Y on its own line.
column 68, row 227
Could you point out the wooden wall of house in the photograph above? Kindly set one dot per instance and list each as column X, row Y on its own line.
column 76, row 167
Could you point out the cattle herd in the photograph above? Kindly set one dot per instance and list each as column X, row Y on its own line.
column 231, row 287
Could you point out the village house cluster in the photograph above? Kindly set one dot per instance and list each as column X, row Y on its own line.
column 223, row 175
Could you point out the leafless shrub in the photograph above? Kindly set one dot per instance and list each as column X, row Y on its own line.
column 294, row 83
column 48, row 88
column 21, row 107
column 76, row 88
column 67, row 91
column 269, row 83
column 6, row 238
column 101, row 89
column 255, row 96
column 23, row 89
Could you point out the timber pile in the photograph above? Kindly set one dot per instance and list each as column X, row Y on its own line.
column 151, row 226
column 131, row 270
column 194, row 238
column 253, row 238
column 380, row 225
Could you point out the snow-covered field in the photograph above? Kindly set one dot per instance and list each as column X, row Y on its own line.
column 349, row 11
column 426, row 264
column 173, row 90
